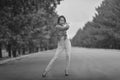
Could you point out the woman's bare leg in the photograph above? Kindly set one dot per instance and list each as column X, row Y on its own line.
column 68, row 55
column 58, row 51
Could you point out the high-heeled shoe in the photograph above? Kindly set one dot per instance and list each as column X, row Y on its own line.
column 44, row 74
column 66, row 73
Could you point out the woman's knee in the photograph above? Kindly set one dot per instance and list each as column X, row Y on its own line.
column 68, row 43
column 68, row 55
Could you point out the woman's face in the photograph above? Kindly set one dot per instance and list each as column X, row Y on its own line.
column 62, row 20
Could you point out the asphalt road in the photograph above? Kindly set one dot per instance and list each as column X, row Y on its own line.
column 86, row 64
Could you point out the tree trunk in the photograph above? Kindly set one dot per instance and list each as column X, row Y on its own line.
column 31, row 49
column 14, row 52
column 23, row 51
column 19, row 51
column 37, row 49
column 9, row 50
column 0, row 51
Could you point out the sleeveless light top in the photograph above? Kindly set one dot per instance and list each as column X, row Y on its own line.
column 62, row 31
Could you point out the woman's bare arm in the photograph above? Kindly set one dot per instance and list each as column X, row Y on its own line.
column 62, row 28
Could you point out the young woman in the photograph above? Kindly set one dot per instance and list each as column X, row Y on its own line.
column 63, row 44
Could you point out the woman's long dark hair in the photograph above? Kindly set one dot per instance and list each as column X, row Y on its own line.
column 58, row 22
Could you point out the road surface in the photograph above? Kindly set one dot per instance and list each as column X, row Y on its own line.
column 86, row 64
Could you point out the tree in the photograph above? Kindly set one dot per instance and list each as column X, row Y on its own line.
column 104, row 30
column 20, row 20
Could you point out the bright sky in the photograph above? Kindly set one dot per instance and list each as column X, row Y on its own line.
column 77, row 13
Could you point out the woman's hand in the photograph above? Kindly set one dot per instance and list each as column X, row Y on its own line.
column 64, row 27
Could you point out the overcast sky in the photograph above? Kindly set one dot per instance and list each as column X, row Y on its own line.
column 77, row 13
